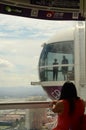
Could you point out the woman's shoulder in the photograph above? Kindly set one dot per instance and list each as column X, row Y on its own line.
column 80, row 100
column 83, row 101
column 80, row 103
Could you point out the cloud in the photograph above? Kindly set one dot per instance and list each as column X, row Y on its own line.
column 5, row 64
column 20, row 61
column 20, row 47
column 27, row 28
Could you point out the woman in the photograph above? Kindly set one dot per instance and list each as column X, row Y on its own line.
column 69, row 108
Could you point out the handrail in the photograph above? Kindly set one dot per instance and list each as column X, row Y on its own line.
column 59, row 65
column 24, row 105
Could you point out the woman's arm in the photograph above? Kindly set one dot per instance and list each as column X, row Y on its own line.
column 57, row 107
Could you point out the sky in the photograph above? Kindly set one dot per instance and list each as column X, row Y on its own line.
column 21, row 41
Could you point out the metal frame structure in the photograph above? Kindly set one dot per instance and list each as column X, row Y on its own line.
column 26, row 9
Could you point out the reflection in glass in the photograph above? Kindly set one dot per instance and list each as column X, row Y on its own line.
column 55, row 69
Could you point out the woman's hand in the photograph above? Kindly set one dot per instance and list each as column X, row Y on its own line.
column 57, row 106
column 53, row 103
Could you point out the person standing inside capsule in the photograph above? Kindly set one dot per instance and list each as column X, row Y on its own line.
column 64, row 69
column 55, row 69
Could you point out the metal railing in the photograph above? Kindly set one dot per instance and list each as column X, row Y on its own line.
column 24, row 105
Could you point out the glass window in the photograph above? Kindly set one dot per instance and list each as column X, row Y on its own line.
column 57, row 3
column 27, row 119
column 57, row 61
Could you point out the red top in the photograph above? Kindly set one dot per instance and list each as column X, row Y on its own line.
column 65, row 121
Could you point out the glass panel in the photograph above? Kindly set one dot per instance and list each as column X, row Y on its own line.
column 20, row 48
column 57, row 3
column 57, row 61
column 27, row 119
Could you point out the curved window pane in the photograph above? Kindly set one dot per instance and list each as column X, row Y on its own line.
column 57, row 61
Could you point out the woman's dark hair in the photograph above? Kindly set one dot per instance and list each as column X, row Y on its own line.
column 69, row 93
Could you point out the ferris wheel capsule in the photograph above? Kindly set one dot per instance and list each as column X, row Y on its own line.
column 57, row 62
